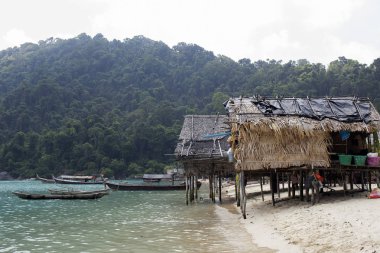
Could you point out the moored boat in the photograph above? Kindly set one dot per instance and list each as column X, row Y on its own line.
column 147, row 187
column 64, row 179
column 45, row 180
column 34, row 196
column 72, row 191
column 155, row 178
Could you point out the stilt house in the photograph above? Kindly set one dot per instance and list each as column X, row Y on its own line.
column 279, row 133
column 202, row 149
column 278, row 136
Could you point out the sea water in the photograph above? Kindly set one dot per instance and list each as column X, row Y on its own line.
column 123, row 221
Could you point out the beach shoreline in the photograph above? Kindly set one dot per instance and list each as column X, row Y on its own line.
column 337, row 224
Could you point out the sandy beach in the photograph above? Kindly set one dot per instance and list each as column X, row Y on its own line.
column 337, row 223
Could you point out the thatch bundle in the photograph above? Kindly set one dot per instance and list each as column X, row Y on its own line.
column 279, row 143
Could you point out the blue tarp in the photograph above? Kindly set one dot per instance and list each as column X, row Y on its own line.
column 341, row 109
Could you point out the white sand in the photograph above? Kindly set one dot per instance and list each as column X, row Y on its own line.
column 336, row 224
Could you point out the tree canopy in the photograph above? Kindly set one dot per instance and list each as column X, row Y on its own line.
column 89, row 105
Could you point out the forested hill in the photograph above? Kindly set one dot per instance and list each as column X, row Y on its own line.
column 91, row 105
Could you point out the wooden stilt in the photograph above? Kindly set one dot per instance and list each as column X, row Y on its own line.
column 362, row 178
column 293, row 189
column 238, row 188
column 196, row 187
column 351, row 181
column 307, row 192
column 215, row 187
column 344, row 183
column 187, row 190
column 272, row 188
column 283, row 180
column 210, row 186
column 261, row 188
column 369, row 181
column 220, row 186
column 236, row 191
column 191, row 189
column 278, row 184
column 301, row 185
column 243, row 195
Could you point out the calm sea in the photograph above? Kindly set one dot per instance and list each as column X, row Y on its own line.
column 123, row 221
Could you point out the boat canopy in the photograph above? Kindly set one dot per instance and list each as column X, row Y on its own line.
column 158, row 176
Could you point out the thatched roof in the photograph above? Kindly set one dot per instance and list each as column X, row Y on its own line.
column 326, row 114
column 203, row 136
column 282, row 133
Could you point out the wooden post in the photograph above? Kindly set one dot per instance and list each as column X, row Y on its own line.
column 191, row 189
column 215, row 187
column 243, row 195
column 236, row 191
column 187, row 190
column 293, row 190
column 282, row 180
column 307, row 191
column 261, row 188
column 369, row 181
column 220, row 187
column 210, row 186
column 288, row 177
column 301, row 185
column 344, row 183
column 278, row 184
column 351, row 181
column 272, row 186
column 362, row 176
column 196, row 187
column 237, row 183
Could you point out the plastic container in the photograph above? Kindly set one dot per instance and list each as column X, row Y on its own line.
column 345, row 159
column 360, row 160
column 373, row 160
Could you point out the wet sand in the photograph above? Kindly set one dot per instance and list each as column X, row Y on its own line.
column 235, row 232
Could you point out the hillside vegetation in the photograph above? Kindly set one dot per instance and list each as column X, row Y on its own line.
column 88, row 105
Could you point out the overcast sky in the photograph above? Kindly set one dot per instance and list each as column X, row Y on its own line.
column 317, row 30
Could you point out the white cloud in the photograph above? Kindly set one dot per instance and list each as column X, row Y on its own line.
column 16, row 37
column 350, row 49
column 317, row 30
column 327, row 14
column 212, row 24
column 279, row 41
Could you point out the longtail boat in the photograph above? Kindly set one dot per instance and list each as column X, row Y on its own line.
column 34, row 196
column 64, row 179
column 147, row 187
column 45, row 180
column 72, row 191
column 157, row 177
